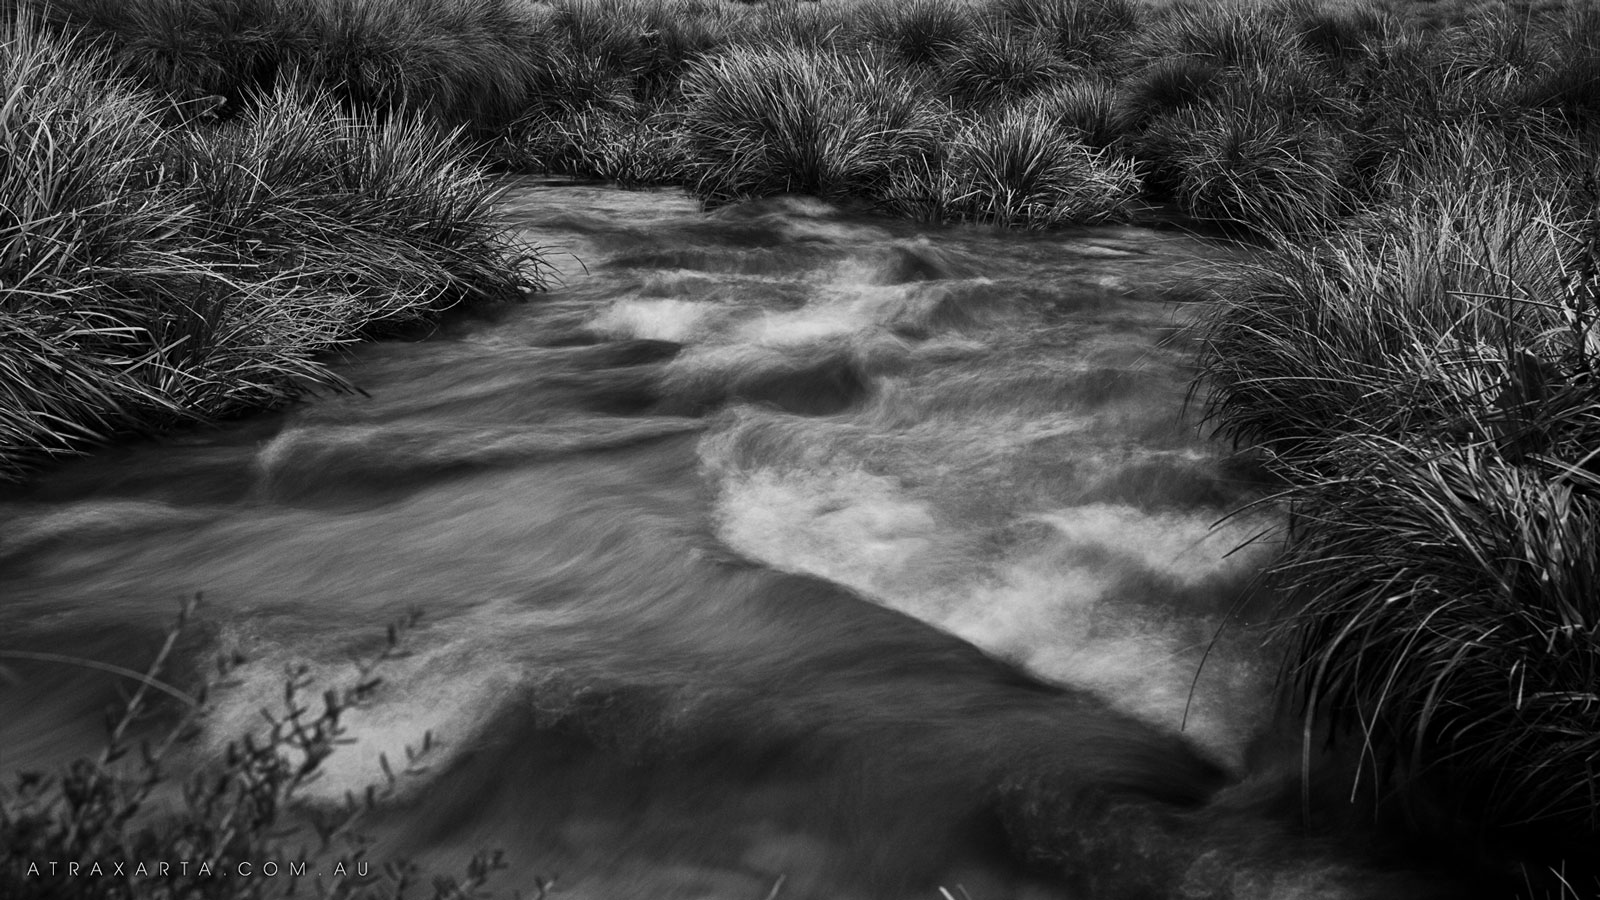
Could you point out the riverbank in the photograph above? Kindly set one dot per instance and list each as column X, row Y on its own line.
column 1285, row 116
column 158, row 273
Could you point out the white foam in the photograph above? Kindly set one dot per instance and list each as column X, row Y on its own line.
column 813, row 323
column 670, row 319
column 848, row 526
column 1043, row 605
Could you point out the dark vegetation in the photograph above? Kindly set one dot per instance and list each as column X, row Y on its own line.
column 216, row 192
column 1423, row 378
column 156, row 271
column 241, row 824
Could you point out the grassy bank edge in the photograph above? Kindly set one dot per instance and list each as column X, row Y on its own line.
column 156, row 274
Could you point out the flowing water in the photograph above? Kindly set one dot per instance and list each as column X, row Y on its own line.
column 781, row 552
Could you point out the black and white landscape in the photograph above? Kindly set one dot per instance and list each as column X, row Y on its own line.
column 963, row 449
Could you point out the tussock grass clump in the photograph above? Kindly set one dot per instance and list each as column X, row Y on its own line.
column 462, row 63
column 1266, row 146
column 1412, row 74
column 86, row 259
column 1086, row 109
column 152, row 275
column 1298, row 86
column 1460, row 624
column 1517, row 75
column 1253, row 165
column 188, row 50
column 678, row 34
column 628, row 149
column 467, row 63
column 1224, row 34
column 567, row 82
column 387, row 222
column 632, row 53
column 1166, row 85
column 919, row 33
column 1085, row 32
column 595, row 88
column 998, row 65
column 762, row 122
column 1343, row 35
column 1367, row 306
column 1495, row 48
column 611, row 34
column 1426, row 382
column 1569, row 84
column 619, row 61
column 802, row 25
column 1018, row 169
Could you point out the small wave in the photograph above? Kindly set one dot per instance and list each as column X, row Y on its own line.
column 329, row 462
column 29, row 528
column 814, row 381
column 664, row 320
column 903, row 262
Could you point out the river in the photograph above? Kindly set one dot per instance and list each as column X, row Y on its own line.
column 780, row 552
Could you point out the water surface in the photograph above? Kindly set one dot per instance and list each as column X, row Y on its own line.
column 782, row 552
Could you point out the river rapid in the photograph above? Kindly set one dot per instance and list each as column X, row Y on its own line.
column 780, row 552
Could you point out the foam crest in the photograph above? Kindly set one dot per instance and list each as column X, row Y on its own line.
column 811, row 324
column 849, row 527
column 1094, row 596
column 681, row 321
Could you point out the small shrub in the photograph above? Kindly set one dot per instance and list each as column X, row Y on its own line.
column 245, row 807
column 763, row 122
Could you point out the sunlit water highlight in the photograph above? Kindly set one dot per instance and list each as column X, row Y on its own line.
column 782, row 552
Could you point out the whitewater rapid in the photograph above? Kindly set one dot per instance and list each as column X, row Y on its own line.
column 782, row 551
